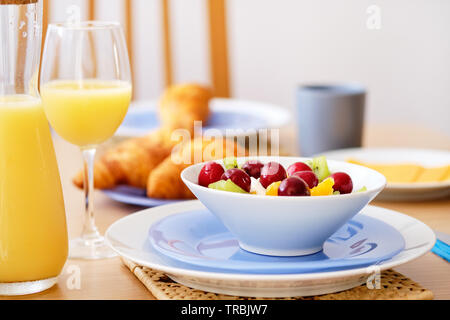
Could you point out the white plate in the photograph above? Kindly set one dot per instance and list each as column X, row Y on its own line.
column 227, row 114
column 129, row 238
column 402, row 191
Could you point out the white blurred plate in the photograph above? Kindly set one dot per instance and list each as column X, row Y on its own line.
column 402, row 191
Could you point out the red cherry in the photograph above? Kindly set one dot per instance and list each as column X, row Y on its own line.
column 298, row 167
column 210, row 173
column 293, row 187
column 253, row 168
column 239, row 177
column 272, row 172
column 342, row 183
column 309, row 177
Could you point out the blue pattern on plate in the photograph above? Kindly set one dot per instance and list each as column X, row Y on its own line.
column 199, row 240
column 135, row 196
column 220, row 120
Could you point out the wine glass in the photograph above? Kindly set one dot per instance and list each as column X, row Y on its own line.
column 86, row 91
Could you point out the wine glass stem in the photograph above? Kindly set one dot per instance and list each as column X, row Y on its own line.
column 90, row 232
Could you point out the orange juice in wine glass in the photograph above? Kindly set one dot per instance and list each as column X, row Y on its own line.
column 86, row 113
column 86, row 90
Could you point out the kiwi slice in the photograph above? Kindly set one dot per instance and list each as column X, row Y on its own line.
column 320, row 168
column 309, row 163
column 228, row 185
column 231, row 163
column 363, row 189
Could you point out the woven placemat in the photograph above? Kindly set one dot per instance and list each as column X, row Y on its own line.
column 395, row 286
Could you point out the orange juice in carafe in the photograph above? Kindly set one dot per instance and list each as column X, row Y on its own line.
column 33, row 231
column 33, row 236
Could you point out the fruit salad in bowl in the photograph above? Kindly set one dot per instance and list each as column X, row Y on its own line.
column 301, row 179
column 283, row 206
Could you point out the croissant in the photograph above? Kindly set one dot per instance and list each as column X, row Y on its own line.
column 132, row 161
column 180, row 106
column 164, row 182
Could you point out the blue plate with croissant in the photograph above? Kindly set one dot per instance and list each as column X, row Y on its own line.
column 138, row 169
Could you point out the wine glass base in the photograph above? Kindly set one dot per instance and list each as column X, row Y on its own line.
column 26, row 288
column 90, row 249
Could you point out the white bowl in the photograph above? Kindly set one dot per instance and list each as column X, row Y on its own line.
column 287, row 226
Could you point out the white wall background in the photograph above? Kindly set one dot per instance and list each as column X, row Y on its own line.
column 275, row 45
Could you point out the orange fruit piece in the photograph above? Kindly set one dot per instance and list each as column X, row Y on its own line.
column 272, row 190
column 325, row 188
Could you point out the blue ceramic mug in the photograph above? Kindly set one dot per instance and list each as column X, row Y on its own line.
column 330, row 117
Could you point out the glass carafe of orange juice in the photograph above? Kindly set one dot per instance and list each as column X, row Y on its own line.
column 33, row 232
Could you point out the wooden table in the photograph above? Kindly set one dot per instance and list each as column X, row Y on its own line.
column 109, row 279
